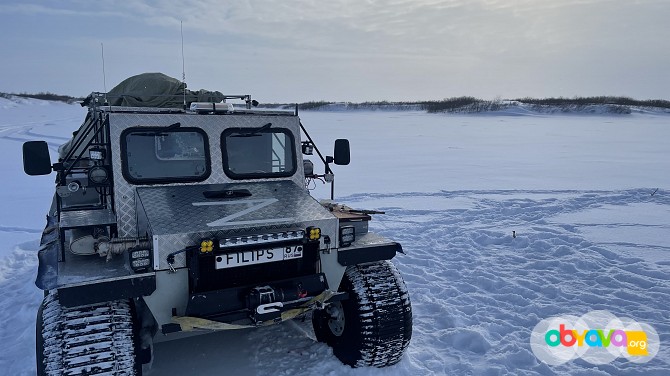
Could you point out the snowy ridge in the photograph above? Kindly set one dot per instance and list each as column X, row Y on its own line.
column 496, row 107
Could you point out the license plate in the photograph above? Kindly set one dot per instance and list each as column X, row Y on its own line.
column 258, row 256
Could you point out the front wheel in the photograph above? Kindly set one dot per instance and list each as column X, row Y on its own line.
column 374, row 326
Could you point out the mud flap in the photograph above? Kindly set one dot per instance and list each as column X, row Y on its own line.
column 47, row 271
column 368, row 248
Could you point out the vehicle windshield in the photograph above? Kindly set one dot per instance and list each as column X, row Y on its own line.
column 260, row 153
column 156, row 155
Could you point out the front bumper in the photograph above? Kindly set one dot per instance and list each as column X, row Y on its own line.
column 251, row 306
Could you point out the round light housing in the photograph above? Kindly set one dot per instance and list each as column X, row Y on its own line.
column 98, row 175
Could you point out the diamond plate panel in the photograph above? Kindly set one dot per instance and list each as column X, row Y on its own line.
column 213, row 125
column 78, row 218
column 184, row 209
column 369, row 239
column 180, row 216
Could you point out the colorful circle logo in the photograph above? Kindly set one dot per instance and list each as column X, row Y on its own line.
column 597, row 337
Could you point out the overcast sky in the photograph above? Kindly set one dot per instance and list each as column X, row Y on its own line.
column 344, row 50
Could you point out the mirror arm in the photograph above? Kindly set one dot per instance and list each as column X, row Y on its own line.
column 315, row 147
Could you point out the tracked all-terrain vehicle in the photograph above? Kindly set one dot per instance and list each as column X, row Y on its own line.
column 169, row 222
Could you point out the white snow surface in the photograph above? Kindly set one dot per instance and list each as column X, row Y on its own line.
column 578, row 191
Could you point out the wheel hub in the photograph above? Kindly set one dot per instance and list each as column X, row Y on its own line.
column 336, row 318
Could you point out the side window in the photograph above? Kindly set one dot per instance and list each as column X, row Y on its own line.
column 249, row 153
column 159, row 155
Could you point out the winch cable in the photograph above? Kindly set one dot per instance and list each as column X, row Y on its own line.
column 170, row 257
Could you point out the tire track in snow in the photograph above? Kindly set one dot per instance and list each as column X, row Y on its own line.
column 477, row 291
column 30, row 133
column 19, row 300
column 20, row 229
column 23, row 133
column 22, row 128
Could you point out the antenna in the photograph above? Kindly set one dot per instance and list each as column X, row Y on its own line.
column 104, row 78
column 183, row 66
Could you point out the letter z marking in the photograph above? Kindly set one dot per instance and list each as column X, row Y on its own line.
column 253, row 205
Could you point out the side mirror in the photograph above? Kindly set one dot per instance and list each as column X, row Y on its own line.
column 342, row 155
column 36, row 159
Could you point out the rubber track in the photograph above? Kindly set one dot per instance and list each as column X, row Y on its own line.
column 89, row 340
column 385, row 312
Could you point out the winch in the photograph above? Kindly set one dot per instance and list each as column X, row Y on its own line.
column 267, row 302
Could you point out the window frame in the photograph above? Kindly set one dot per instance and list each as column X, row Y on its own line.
column 271, row 175
column 167, row 180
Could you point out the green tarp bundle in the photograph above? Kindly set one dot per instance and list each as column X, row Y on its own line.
column 157, row 90
column 149, row 90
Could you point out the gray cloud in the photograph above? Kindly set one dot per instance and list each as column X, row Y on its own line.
column 397, row 48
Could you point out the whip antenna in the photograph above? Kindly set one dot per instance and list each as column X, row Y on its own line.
column 183, row 66
column 104, row 78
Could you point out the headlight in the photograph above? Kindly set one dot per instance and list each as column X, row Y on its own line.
column 274, row 237
column 96, row 153
column 313, row 233
column 98, row 175
column 140, row 264
column 347, row 235
column 140, row 259
column 206, row 246
column 143, row 253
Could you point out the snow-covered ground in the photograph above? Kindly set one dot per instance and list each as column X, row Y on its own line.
column 579, row 191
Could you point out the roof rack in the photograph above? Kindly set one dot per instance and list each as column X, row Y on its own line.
column 98, row 101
